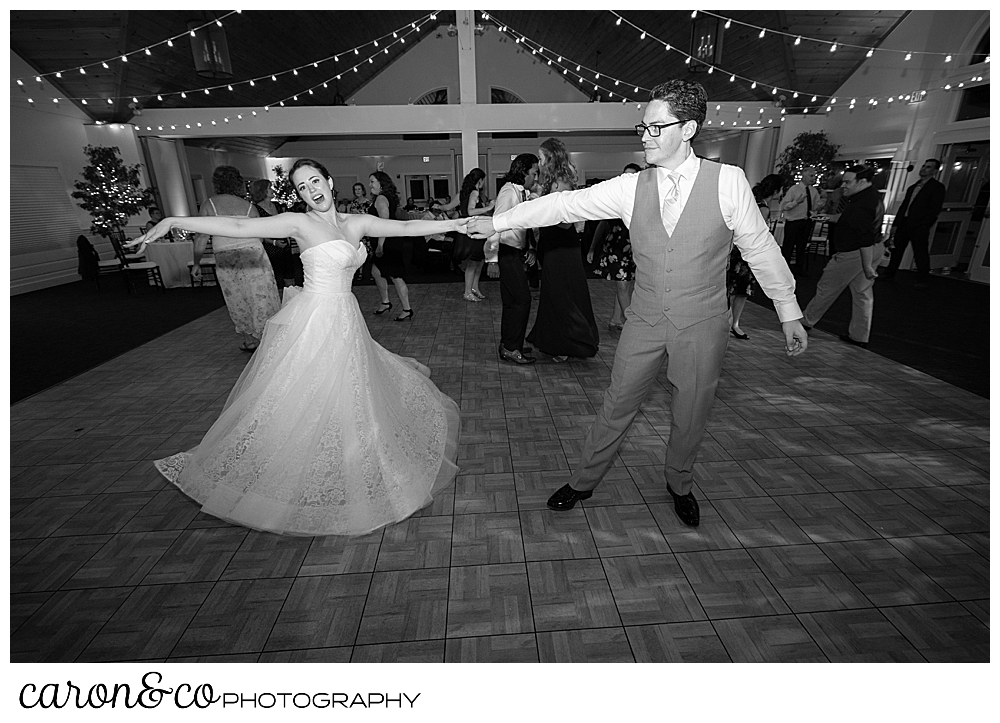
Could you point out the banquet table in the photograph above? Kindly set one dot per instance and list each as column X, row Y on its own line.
column 172, row 257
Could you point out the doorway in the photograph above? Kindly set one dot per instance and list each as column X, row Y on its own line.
column 956, row 236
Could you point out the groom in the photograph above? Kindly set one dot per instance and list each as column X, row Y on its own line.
column 683, row 216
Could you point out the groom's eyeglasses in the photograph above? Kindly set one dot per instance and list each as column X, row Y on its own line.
column 654, row 128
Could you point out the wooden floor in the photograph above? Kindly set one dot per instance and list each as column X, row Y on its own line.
column 844, row 502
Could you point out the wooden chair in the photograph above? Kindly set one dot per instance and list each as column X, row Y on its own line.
column 118, row 235
column 819, row 242
column 129, row 267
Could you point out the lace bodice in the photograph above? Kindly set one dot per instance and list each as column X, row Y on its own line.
column 329, row 267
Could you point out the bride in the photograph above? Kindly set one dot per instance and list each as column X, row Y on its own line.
column 326, row 432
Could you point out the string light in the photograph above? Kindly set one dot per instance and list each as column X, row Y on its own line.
column 798, row 37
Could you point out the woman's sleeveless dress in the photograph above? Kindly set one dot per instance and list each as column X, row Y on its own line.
column 397, row 251
column 246, row 279
column 615, row 261
column 564, row 324
column 467, row 248
column 326, row 432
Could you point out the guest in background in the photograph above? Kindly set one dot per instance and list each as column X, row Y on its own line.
column 918, row 212
column 739, row 277
column 859, row 248
column 468, row 253
column 241, row 266
column 360, row 205
column 278, row 250
column 505, row 259
column 564, row 326
column 155, row 216
column 392, row 254
column 361, row 201
column 615, row 262
column 799, row 205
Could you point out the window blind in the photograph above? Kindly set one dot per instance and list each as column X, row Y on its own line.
column 42, row 216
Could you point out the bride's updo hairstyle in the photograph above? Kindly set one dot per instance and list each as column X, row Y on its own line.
column 303, row 163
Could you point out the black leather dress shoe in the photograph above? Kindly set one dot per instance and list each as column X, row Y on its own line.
column 515, row 356
column 565, row 497
column 686, row 507
column 849, row 340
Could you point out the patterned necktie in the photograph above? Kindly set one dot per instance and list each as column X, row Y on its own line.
column 671, row 210
column 809, row 203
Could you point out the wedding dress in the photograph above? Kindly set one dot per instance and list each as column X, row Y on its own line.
column 326, row 432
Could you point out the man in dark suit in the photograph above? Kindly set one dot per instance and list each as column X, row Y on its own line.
column 917, row 214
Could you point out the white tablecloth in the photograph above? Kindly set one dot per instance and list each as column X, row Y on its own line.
column 173, row 259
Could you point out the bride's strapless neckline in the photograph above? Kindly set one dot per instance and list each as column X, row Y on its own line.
column 325, row 243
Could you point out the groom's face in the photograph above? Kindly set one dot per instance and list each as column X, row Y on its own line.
column 670, row 147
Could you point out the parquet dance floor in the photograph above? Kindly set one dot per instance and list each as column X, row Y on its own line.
column 844, row 502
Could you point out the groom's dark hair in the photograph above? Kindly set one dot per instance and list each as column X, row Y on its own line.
column 519, row 168
column 687, row 99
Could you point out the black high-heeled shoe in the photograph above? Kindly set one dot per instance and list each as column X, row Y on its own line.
column 405, row 316
column 383, row 307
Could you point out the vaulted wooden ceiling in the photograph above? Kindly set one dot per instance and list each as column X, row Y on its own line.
column 268, row 42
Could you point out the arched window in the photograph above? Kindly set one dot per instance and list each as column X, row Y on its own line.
column 499, row 95
column 435, row 97
column 982, row 50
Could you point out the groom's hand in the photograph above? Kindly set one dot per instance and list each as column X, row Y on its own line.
column 796, row 339
column 481, row 227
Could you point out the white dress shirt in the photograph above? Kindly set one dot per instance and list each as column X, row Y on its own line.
column 794, row 203
column 510, row 195
column 615, row 198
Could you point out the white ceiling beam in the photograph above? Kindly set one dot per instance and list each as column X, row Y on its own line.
column 452, row 118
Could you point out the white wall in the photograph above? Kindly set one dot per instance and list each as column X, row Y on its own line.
column 203, row 162
column 54, row 135
column 909, row 133
column 432, row 63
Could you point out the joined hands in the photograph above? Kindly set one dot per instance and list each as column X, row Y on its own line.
column 480, row 227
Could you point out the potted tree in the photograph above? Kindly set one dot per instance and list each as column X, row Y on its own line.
column 110, row 191
column 808, row 149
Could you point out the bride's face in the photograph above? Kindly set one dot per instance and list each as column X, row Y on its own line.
column 312, row 188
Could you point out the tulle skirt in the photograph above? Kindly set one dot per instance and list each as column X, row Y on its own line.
column 325, row 433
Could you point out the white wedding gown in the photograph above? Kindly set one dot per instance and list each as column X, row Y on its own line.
column 326, row 432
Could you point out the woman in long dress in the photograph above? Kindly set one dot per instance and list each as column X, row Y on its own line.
column 564, row 326
column 468, row 252
column 241, row 265
column 326, row 432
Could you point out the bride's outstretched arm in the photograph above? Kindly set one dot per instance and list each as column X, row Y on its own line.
column 375, row 226
column 280, row 226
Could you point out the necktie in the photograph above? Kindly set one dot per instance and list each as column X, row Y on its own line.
column 671, row 211
column 809, row 203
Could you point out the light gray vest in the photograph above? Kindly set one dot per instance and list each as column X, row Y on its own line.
column 680, row 276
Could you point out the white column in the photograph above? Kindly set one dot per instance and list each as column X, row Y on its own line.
column 466, row 22
column 170, row 177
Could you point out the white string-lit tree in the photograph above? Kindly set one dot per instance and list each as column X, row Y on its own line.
column 282, row 192
column 808, row 149
column 110, row 191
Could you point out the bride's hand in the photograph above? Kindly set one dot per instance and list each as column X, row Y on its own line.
column 461, row 225
column 158, row 231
